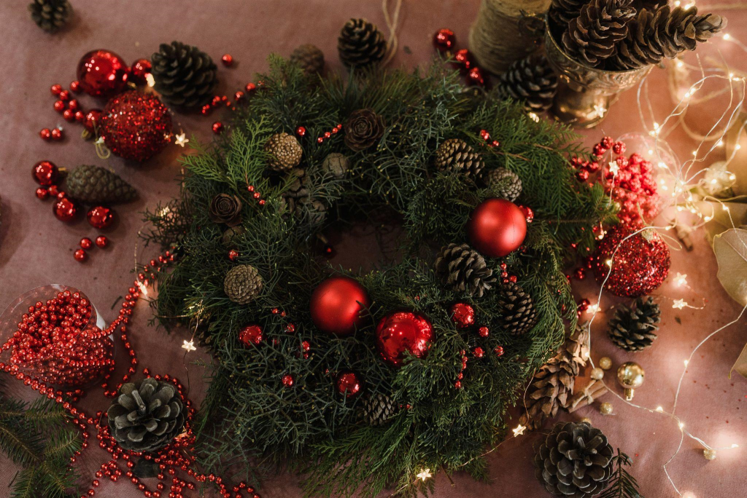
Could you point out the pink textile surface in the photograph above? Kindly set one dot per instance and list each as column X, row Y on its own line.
column 36, row 249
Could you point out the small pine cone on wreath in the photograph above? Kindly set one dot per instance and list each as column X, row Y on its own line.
column 463, row 269
column 285, row 150
column 184, row 75
column 518, row 314
column 309, row 58
column 97, row 185
column 361, row 44
column 50, row 15
column 504, row 183
column 242, row 284
column 530, row 81
column 297, row 190
column 593, row 36
column 378, row 409
column 455, row 155
column 632, row 328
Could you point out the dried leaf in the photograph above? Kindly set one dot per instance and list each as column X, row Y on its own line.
column 741, row 364
column 730, row 248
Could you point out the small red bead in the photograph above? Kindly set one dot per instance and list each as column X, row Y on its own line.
column 478, row 352
column 75, row 86
column 102, row 241
column 73, row 105
column 45, row 134
column 227, row 60
column 301, row 131
column 80, row 116
column 233, row 255
column 54, row 191
column 80, row 255
column 42, row 193
column 217, row 127
column 59, row 106
column 86, row 243
column 444, row 39
column 239, row 96
column 498, row 351
column 56, row 89
column 206, row 109
column 68, row 115
column 64, row 95
column 287, row 381
column 56, row 134
column 484, row 331
column 458, row 385
column 250, row 88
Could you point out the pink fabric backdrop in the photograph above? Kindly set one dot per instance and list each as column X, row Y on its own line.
column 36, row 249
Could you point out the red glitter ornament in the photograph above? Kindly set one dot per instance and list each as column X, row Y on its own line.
column 65, row 209
column 336, row 305
column 80, row 255
column 217, row 128
column 288, row 380
column 45, row 173
column 463, row 315
column 528, row 213
column 640, row 264
column 100, row 217
column 349, row 384
column 42, row 193
column 102, row 73
column 139, row 72
column 444, row 39
column 496, row 227
column 251, row 335
column 401, row 333
column 227, row 60
column 135, row 125
column 475, row 77
column 45, row 134
column 86, row 243
column 102, row 242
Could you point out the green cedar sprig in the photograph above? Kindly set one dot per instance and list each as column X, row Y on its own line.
column 623, row 484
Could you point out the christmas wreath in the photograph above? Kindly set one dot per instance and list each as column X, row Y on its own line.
column 363, row 381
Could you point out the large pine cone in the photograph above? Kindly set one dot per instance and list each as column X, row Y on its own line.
column 378, row 409
column 242, row 284
column 575, row 460
column 96, row 185
column 504, row 183
column 146, row 417
column 592, row 36
column 363, row 129
column 361, row 44
column 664, row 32
column 309, row 58
column 517, row 309
column 463, row 269
column 455, row 155
column 50, row 15
column 184, row 75
column 632, row 328
column 564, row 11
column 530, row 81
column 285, row 150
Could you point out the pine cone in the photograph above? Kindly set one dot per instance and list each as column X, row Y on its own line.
column 50, row 15
column 530, row 81
column 455, row 155
column 225, row 209
column 463, row 269
column 285, row 150
column 517, row 309
column 592, row 36
column 504, row 183
column 184, row 75
column 552, row 386
column 96, row 185
column 309, row 58
column 242, row 284
column 230, row 234
column 575, row 460
column 336, row 164
column 664, row 32
column 378, row 409
column 564, row 11
column 363, row 129
column 146, row 416
column 632, row 328
column 361, row 44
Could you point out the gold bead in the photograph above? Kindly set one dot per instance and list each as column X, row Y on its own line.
column 630, row 376
column 709, row 454
column 605, row 408
column 586, row 420
column 605, row 363
column 597, row 373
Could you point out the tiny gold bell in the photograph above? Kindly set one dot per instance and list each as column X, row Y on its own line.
column 630, row 376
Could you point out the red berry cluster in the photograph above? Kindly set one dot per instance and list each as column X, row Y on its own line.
column 485, row 135
column 463, row 315
column 71, row 111
column 444, row 40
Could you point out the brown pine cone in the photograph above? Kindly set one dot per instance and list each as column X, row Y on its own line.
column 455, row 155
column 531, row 81
column 308, row 57
column 564, row 11
column 50, row 15
column 242, row 284
column 463, row 269
column 592, row 36
column 225, row 209
column 361, row 44
column 363, row 129
column 285, row 150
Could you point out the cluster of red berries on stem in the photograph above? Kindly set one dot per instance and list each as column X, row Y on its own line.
column 463, row 316
column 444, row 40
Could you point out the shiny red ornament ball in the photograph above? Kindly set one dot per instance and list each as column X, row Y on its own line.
column 92, row 120
column 102, row 73
column 45, row 173
column 475, row 77
column 100, row 217
column 497, row 227
column 444, row 39
column 288, row 380
column 42, row 193
column 65, row 209
column 80, row 255
column 251, row 335
column 640, row 265
column 227, row 60
column 401, row 333
column 336, row 305
column 348, row 383
column 217, row 128
column 45, row 134
column 102, row 242
column 463, row 315
column 86, row 243
column 139, row 72
column 135, row 125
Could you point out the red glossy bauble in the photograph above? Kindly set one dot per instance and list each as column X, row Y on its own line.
column 348, row 383
column 102, row 242
column 45, row 173
column 65, row 209
column 80, row 255
column 403, row 332
column 463, row 315
column 135, row 125
column 336, row 305
column 102, row 73
column 92, row 120
column 496, row 227
column 444, row 39
column 139, row 72
column 251, row 335
column 227, row 60
column 640, row 264
column 100, row 217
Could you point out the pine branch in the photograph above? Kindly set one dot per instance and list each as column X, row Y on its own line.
column 623, row 484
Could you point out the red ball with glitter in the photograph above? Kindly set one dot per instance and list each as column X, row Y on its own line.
column 463, row 315
column 444, row 39
column 349, row 384
column 135, row 125
column 251, row 335
column 65, row 209
column 401, row 333
column 640, row 264
column 102, row 73
column 45, row 173
column 337, row 304
column 497, row 227
column 100, row 217
column 139, row 72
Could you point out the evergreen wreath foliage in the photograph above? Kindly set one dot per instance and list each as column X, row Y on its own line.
column 249, row 417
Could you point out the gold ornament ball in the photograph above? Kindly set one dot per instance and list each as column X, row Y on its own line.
column 709, row 454
column 605, row 363
column 597, row 373
column 605, row 408
column 630, row 376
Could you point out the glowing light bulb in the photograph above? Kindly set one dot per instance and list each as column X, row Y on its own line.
column 727, row 36
column 680, row 64
column 681, row 425
column 734, row 446
column 719, row 143
column 686, row 362
column 609, row 263
column 660, row 409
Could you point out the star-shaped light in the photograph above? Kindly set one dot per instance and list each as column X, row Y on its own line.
column 614, row 167
column 680, row 304
column 681, row 279
column 189, row 346
column 181, row 139
column 424, row 475
column 519, row 430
